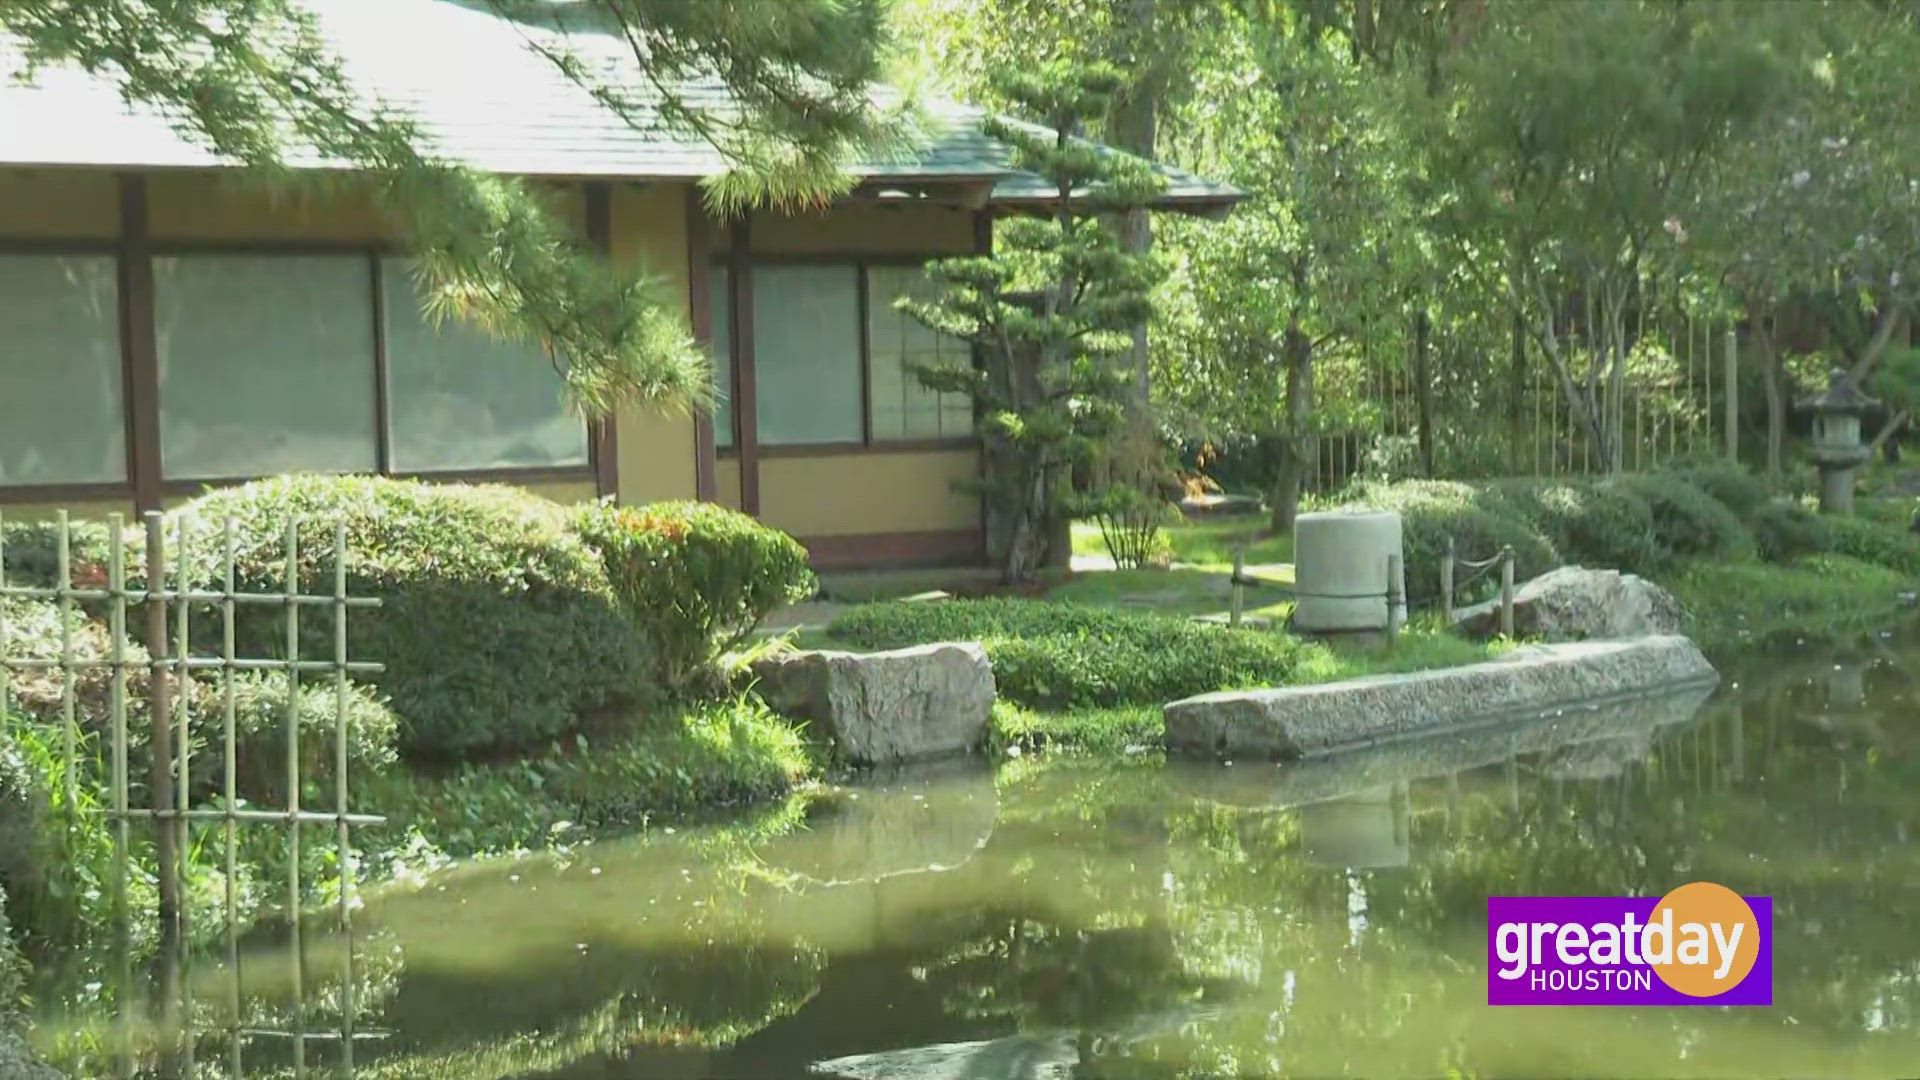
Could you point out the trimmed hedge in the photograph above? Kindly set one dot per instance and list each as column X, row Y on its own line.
column 32, row 552
column 1480, row 520
column 1063, row 656
column 1591, row 525
column 1687, row 521
column 695, row 578
column 1737, row 489
column 1784, row 530
column 498, row 630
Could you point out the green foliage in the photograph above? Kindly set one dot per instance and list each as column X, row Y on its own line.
column 1687, row 521
column 498, row 627
column 720, row 753
column 1105, row 731
column 1049, row 312
column 1785, row 530
column 1479, row 522
column 1054, row 656
column 695, row 578
column 1894, row 548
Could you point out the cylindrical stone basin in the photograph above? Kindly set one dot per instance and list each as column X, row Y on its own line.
column 1340, row 570
column 1366, row 830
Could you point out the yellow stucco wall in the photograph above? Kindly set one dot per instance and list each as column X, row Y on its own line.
column 915, row 229
column 564, row 491
column 42, row 203
column 853, row 494
column 656, row 449
column 726, row 476
column 188, row 206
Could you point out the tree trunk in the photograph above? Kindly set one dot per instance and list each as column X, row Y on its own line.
column 1516, row 397
column 1423, row 387
column 1293, row 466
column 1132, row 126
column 1772, row 379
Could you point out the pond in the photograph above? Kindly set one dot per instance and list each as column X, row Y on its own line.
column 1056, row 917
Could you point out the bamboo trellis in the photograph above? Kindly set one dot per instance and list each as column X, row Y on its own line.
column 170, row 665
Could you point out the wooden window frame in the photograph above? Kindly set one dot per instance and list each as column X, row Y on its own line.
column 743, row 420
column 134, row 251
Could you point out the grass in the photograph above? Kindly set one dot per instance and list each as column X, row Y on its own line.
column 1182, row 590
column 1205, row 542
column 1734, row 604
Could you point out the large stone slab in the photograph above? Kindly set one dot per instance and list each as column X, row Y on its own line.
column 1576, row 602
column 1304, row 721
column 1621, row 729
column 886, row 707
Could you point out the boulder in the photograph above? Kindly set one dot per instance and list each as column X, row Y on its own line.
column 1305, row 721
column 1575, row 602
column 886, row 707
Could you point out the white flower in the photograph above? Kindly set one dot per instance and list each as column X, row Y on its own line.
column 1801, row 178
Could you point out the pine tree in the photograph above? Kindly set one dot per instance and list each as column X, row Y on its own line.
column 253, row 81
column 1050, row 312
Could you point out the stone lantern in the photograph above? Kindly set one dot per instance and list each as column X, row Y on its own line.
column 1837, row 447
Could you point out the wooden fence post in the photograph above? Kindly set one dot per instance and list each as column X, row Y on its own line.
column 1237, row 594
column 1394, row 599
column 1506, row 592
column 1446, row 585
column 1731, row 391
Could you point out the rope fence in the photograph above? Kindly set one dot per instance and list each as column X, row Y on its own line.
column 1394, row 594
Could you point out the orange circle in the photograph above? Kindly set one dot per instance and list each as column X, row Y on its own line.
column 1694, row 955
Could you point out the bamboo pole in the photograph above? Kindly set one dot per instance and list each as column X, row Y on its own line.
column 292, row 654
column 229, row 789
column 160, row 678
column 342, row 835
column 183, row 827
column 69, row 722
column 117, row 768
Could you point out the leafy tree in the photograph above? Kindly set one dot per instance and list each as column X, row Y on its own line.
column 1569, row 139
column 1315, row 265
column 1814, row 223
column 1049, row 312
column 253, row 81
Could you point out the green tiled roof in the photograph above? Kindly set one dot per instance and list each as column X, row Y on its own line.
column 484, row 97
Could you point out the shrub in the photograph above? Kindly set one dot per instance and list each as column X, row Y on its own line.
column 1784, row 530
column 1062, row 656
column 32, row 552
column 695, row 578
column 1871, row 542
column 498, row 626
column 1687, row 521
column 1481, row 523
column 1737, row 489
column 1595, row 525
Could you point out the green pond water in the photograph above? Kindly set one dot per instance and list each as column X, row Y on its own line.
column 1055, row 917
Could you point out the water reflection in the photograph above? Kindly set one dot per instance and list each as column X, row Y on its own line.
column 1068, row 919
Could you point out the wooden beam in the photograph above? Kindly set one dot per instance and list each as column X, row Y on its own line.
column 603, row 432
column 740, row 308
column 139, row 347
column 706, row 485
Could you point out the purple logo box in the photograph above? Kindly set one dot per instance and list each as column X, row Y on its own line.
column 1552, row 981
